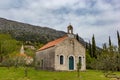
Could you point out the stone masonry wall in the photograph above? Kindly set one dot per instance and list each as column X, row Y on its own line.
column 67, row 48
column 46, row 58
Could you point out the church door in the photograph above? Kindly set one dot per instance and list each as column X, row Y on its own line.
column 71, row 63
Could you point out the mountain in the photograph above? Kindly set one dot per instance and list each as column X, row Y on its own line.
column 27, row 32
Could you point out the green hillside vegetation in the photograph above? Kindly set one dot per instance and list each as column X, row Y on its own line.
column 10, row 47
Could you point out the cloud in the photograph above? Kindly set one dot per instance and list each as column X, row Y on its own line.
column 7, row 4
column 88, row 17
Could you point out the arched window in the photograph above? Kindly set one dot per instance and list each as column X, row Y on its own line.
column 61, row 59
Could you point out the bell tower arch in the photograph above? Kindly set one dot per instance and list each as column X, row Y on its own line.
column 70, row 29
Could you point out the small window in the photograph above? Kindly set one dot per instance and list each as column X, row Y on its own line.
column 61, row 59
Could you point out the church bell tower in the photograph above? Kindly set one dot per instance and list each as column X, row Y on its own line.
column 70, row 29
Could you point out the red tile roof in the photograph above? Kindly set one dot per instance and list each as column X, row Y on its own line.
column 53, row 43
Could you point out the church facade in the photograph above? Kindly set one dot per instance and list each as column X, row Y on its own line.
column 62, row 54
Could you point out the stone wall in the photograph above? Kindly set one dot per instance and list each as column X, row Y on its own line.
column 45, row 58
column 67, row 48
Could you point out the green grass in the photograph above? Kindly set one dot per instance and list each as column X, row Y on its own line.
column 12, row 74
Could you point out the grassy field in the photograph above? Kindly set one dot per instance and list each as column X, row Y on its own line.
column 12, row 74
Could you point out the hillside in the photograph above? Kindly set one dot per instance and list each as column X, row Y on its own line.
column 28, row 32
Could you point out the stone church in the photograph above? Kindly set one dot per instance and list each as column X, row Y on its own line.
column 62, row 54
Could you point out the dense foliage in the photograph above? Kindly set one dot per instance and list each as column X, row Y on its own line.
column 7, row 46
column 107, row 58
column 10, row 52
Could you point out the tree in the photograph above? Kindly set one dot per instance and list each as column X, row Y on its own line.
column 7, row 45
column 3, row 37
column 110, row 44
column 77, row 37
column 94, row 47
column 107, row 60
column 118, row 37
column 90, row 50
column 78, row 68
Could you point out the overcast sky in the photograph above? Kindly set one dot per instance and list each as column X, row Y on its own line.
column 88, row 17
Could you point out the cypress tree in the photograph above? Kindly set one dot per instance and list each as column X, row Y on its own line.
column 77, row 37
column 110, row 44
column 118, row 37
column 87, row 45
column 94, row 47
column 90, row 50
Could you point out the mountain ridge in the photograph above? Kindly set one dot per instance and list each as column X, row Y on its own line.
column 28, row 32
